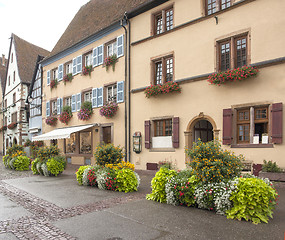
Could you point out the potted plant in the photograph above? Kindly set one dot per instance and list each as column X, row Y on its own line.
column 51, row 120
column 111, row 60
column 85, row 111
column 109, row 110
column 12, row 125
column 233, row 75
column 66, row 115
column 67, row 78
column 271, row 171
column 53, row 83
column 168, row 87
column 86, row 70
column 3, row 128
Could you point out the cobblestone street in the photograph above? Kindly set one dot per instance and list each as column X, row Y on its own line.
column 36, row 207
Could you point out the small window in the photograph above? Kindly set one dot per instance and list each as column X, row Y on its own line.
column 14, row 77
column 163, row 128
column 163, row 21
column 87, row 58
column 54, row 108
column 87, row 96
column 68, row 68
column 112, row 93
column 213, row 6
column 67, row 101
column 163, row 70
column 14, row 97
column 54, row 74
column 9, row 81
column 233, row 53
column 112, row 48
column 14, row 117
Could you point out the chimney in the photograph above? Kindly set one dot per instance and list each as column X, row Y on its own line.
column 3, row 60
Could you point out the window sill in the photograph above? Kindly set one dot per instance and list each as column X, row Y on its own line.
column 162, row 150
column 269, row 145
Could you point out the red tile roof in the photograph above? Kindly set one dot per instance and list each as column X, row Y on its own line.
column 93, row 17
column 27, row 55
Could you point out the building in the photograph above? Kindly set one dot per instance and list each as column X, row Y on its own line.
column 97, row 32
column 3, row 65
column 34, row 100
column 186, row 41
column 20, row 68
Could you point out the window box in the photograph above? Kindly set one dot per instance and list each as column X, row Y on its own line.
column 3, row 128
column 66, row 115
column 168, row 87
column 111, row 60
column 53, row 83
column 109, row 110
column 67, row 78
column 86, row 70
column 234, row 75
column 85, row 111
column 12, row 125
column 51, row 120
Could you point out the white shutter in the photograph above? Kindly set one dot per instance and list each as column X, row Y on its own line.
column 58, row 106
column 74, row 65
column 120, row 92
column 120, row 46
column 73, row 103
column 48, row 77
column 78, row 101
column 79, row 64
column 94, row 97
column 60, row 72
column 95, row 57
column 48, row 109
column 100, row 54
column 100, row 97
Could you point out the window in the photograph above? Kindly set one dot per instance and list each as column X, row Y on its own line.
column 213, row 6
column 87, row 96
column 112, row 48
column 14, row 97
column 9, row 81
column 112, row 93
column 5, row 103
column 54, row 74
column 12, row 57
column 163, row 21
column 163, row 128
column 14, row 117
column 163, row 70
column 14, row 77
column 67, row 101
column 68, row 68
column 233, row 53
column 70, row 143
column 85, row 142
column 54, row 108
column 87, row 58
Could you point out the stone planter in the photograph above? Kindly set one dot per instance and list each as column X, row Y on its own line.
column 273, row 176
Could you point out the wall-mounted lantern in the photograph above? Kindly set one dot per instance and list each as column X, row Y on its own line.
column 137, row 139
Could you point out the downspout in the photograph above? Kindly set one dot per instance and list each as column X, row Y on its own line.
column 122, row 22
column 129, row 89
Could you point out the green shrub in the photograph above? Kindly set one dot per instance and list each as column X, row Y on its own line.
column 253, row 200
column 55, row 166
column 270, row 167
column 158, row 184
column 22, row 163
column 108, row 154
column 212, row 164
column 126, row 180
column 79, row 173
column 6, row 161
column 47, row 152
column 34, row 166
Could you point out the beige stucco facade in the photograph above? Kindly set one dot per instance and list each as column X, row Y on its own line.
column 99, row 78
column 193, row 44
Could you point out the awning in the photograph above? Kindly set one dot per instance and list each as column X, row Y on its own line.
column 61, row 133
column 34, row 130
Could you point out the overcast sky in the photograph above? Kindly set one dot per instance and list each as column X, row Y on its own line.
column 41, row 22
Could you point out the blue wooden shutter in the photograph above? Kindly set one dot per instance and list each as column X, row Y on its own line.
column 73, row 103
column 58, row 106
column 100, row 53
column 78, row 101
column 120, row 92
column 60, row 72
column 120, row 46
column 79, row 64
column 100, row 97
column 48, row 77
column 74, row 65
column 94, row 97
column 48, row 109
column 95, row 57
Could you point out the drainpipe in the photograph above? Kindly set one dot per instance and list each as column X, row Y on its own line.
column 122, row 22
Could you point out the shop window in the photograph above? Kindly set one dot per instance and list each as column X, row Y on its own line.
column 85, row 144
column 70, row 144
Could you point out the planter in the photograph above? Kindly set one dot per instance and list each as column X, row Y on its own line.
column 166, row 88
column 12, row 125
column 51, row 120
column 111, row 61
column 87, row 70
column 67, row 78
column 273, row 176
column 53, row 83
column 109, row 110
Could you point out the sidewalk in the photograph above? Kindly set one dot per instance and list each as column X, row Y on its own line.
column 36, row 207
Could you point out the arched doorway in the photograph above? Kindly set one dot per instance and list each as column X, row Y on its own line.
column 203, row 127
column 15, row 142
